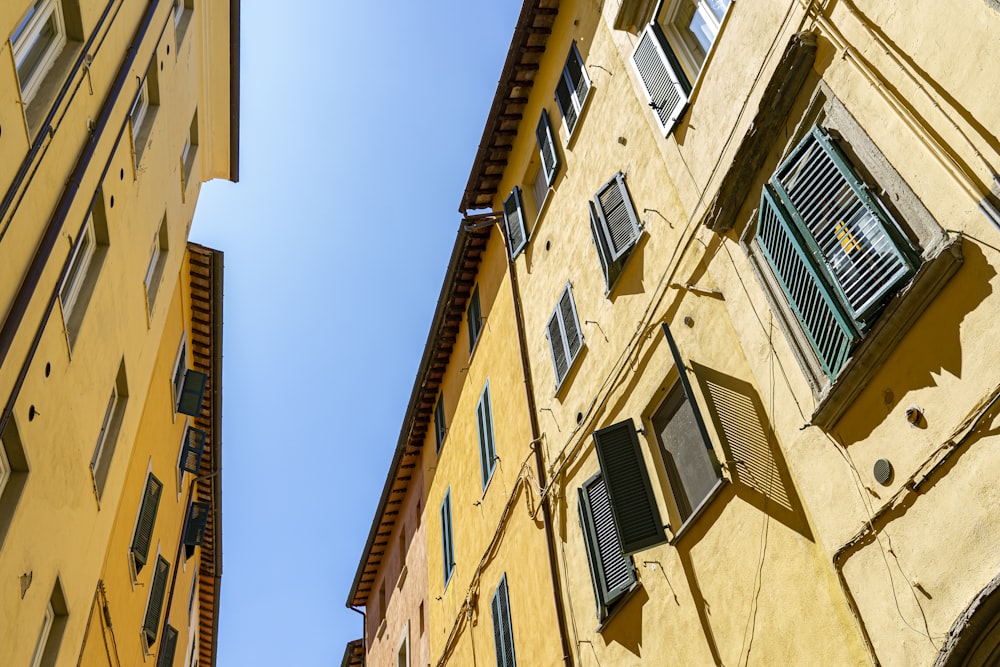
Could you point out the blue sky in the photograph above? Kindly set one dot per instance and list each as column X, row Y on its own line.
column 358, row 133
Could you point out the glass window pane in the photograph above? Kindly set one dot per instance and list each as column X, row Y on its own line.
column 689, row 468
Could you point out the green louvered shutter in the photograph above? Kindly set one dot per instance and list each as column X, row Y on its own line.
column 147, row 518
column 487, row 445
column 866, row 255
column 513, row 216
column 611, row 571
column 193, row 447
column 154, row 607
column 440, row 428
column 616, row 214
column 547, row 148
column 503, row 634
column 194, row 527
column 667, row 88
column 811, row 299
column 192, row 393
column 168, row 648
column 474, row 316
column 447, row 544
column 637, row 517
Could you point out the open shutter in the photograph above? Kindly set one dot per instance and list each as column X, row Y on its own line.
column 168, row 647
column 547, row 148
column 612, row 572
column 154, row 607
column 147, row 518
column 558, row 347
column 829, row 329
column 191, row 394
column 503, row 635
column 194, row 527
column 513, row 216
column 475, row 318
column 193, row 447
column 618, row 221
column 440, row 429
column 667, row 88
column 637, row 517
column 571, row 325
column 865, row 254
column 601, row 245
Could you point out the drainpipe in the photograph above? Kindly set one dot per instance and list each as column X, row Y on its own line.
column 364, row 633
column 12, row 323
column 529, row 392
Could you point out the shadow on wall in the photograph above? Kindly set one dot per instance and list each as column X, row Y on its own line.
column 932, row 347
column 625, row 627
column 760, row 474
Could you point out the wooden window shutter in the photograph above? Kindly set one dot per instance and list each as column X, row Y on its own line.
column 616, row 214
column 547, row 148
column 601, row 244
column 475, row 318
column 612, row 572
column 513, row 216
column 147, row 518
column 633, row 505
column 154, row 608
column 193, row 447
column 557, row 346
column 563, row 332
column 487, row 445
column 168, row 648
column 447, row 545
column 440, row 428
column 191, row 394
column 666, row 85
column 194, row 527
column 503, row 634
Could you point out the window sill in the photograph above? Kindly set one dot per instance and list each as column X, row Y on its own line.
column 698, row 512
column 618, row 605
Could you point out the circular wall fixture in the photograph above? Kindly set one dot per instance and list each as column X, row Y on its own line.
column 548, row 244
column 112, row 201
column 48, row 368
column 579, row 418
column 121, row 174
column 168, row 49
column 31, row 413
column 883, row 471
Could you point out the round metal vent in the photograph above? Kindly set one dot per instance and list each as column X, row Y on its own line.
column 883, row 471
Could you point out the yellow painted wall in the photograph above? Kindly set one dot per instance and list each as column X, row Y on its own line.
column 68, row 386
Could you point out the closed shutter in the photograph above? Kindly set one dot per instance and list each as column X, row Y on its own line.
column 618, row 221
column 513, row 216
column 193, row 447
column 154, row 607
column 147, row 518
column 197, row 520
column 475, row 318
column 666, row 86
column 440, row 429
column 168, row 648
column 447, row 546
column 191, row 394
column 487, row 446
column 503, row 634
column 637, row 517
column 612, row 572
column 563, row 332
column 547, row 148
column 866, row 254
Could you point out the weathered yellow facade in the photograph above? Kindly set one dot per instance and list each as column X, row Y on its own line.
column 112, row 114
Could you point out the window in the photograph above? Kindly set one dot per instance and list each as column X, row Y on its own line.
column 168, row 648
column 138, row 112
column 192, row 447
column 487, row 446
column 637, row 518
column 832, row 246
column 182, row 18
column 157, row 260
column 447, row 545
column 513, row 220
column 154, row 605
column 143, row 535
column 547, row 152
column 193, row 593
column 403, row 648
column 53, row 624
column 37, row 41
column 688, row 457
column 440, row 428
column 691, row 27
column 503, row 634
column 572, row 89
column 614, row 226
column 189, row 152
column 83, row 268
column 14, row 474
column 188, row 385
column 565, row 337
column 475, row 317
column 144, row 108
column 194, row 526
column 180, row 368
column 611, row 572
column 100, row 462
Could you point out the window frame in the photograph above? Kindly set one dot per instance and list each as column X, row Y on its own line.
column 515, row 227
column 566, row 305
column 180, row 368
column 25, row 39
column 81, row 259
column 689, row 60
column 548, row 151
column 487, row 436
column 403, row 647
column 48, row 620
column 447, row 539
column 574, row 94
column 157, row 263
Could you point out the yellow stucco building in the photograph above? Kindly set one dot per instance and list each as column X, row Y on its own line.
column 748, row 254
column 112, row 115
